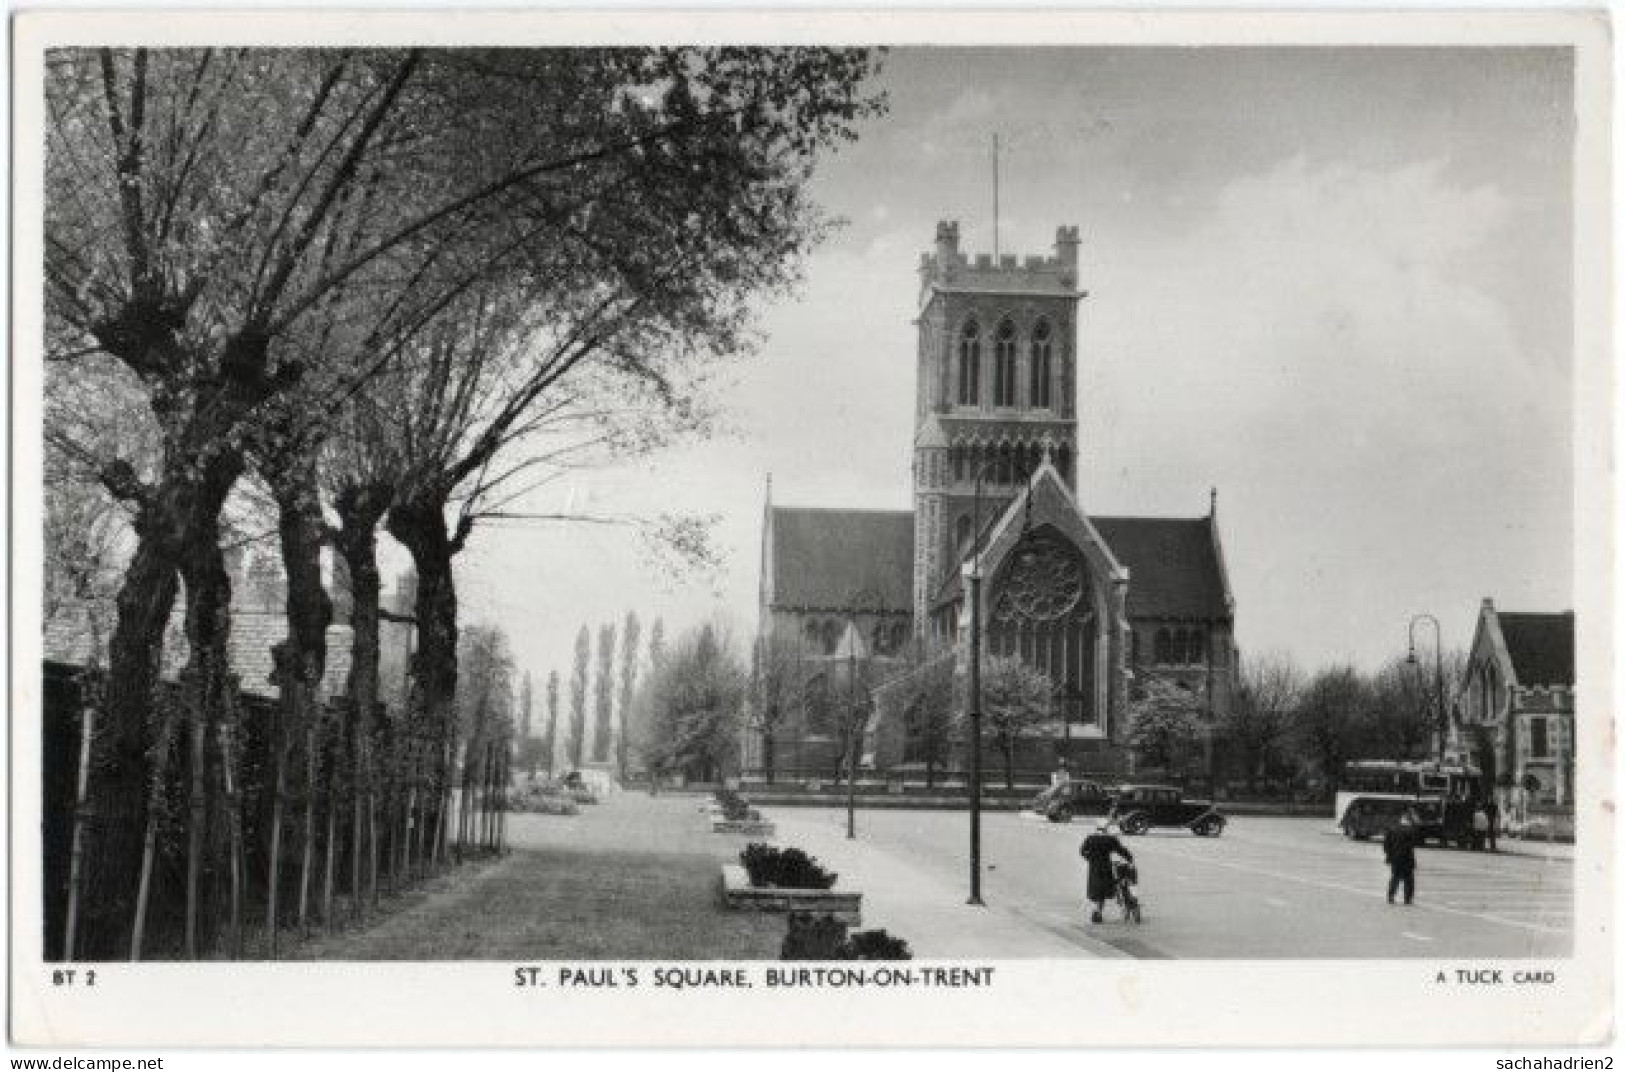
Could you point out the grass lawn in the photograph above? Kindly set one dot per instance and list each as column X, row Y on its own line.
column 629, row 879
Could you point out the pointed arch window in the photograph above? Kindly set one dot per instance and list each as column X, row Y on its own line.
column 970, row 364
column 1004, row 364
column 1042, row 348
column 962, row 533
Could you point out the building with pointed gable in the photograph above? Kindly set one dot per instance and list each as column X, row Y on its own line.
column 1097, row 603
column 1517, row 707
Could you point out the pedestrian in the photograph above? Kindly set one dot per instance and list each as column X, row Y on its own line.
column 1481, row 828
column 1492, row 812
column 1097, row 850
column 1399, row 849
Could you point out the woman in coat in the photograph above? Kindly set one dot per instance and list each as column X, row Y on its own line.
column 1097, row 850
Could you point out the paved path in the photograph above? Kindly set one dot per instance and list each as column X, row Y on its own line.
column 922, row 904
column 1269, row 888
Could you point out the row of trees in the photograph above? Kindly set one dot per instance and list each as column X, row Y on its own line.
column 603, row 732
column 1283, row 726
column 380, row 290
column 1288, row 724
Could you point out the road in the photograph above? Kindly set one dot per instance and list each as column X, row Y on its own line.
column 1269, row 888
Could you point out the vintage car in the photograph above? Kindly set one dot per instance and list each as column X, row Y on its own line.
column 1367, row 817
column 1137, row 808
column 1060, row 803
column 1449, row 822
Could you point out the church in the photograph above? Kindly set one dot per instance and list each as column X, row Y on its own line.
column 1100, row 605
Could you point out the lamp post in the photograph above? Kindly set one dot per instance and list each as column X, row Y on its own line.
column 973, row 584
column 852, row 735
column 1438, row 673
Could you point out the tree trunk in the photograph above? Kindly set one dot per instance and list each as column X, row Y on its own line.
column 1008, row 747
column 234, row 831
column 420, row 526
column 361, row 509
column 208, row 633
column 121, row 763
column 302, row 532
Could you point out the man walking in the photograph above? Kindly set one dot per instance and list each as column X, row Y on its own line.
column 1492, row 812
column 1097, row 850
column 1399, row 849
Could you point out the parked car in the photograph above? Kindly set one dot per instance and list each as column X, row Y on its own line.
column 1137, row 808
column 1060, row 803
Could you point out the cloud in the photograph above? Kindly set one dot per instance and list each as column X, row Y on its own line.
column 1318, row 344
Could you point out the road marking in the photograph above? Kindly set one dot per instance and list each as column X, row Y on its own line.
column 1372, row 893
column 1415, row 937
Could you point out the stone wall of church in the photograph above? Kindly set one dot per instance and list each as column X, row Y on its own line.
column 1197, row 655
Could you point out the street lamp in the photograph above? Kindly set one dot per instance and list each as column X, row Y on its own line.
column 1438, row 672
column 853, row 733
column 973, row 583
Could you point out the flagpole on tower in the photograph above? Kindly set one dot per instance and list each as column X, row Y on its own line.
column 995, row 198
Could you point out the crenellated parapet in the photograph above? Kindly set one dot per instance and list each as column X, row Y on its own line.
column 947, row 266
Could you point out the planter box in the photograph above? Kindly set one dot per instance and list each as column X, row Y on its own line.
column 738, row 893
column 753, row 827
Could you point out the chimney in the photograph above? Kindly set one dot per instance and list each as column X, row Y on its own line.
column 1066, row 246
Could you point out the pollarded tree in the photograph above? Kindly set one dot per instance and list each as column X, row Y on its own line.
column 1164, row 722
column 202, row 204
column 687, row 206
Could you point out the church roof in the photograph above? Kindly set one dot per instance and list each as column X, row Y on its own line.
column 826, row 558
column 1173, row 565
column 1541, row 647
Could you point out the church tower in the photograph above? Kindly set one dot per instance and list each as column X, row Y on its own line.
column 995, row 389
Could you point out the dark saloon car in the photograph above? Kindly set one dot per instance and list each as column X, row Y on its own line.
column 1059, row 803
column 1137, row 808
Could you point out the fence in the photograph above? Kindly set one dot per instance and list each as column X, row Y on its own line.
column 240, row 847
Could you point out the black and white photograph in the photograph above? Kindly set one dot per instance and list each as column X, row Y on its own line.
column 628, row 517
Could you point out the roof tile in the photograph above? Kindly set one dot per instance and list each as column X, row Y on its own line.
column 828, row 558
column 1541, row 646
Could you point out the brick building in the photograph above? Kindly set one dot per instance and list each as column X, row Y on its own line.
column 1097, row 603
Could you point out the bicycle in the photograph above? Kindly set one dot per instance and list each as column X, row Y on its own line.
column 1124, row 876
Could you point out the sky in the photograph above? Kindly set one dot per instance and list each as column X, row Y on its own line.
column 1333, row 284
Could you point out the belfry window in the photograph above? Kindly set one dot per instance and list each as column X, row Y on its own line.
column 970, row 364
column 1004, row 365
column 1040, row 386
